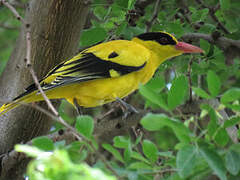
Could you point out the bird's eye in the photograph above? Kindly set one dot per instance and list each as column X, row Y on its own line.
column 163, row 40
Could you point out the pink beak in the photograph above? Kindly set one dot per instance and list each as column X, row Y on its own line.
column 188, row 48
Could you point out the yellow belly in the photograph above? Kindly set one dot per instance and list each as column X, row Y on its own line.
column 97, row 92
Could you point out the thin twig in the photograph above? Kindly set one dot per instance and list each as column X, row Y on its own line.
column 155, row 14
column 221, row 42
column 11, row 8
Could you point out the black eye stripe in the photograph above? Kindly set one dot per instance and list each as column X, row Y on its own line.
column 160, row 37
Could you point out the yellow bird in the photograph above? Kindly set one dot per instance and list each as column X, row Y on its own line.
column 107, row 71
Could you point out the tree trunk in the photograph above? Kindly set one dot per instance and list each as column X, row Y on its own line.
column 55, row 31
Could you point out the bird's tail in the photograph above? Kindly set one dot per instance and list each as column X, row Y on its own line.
column 28, row 96
column 15, row 103
column 7, row 107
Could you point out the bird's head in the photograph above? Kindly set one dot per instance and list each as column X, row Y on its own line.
column 165, row 45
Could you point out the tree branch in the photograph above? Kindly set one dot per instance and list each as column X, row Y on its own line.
column 221, row 42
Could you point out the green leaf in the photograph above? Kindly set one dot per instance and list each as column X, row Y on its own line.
column 168, row 154
column 85, row 125
column 198, row 14
column 139, row 165
column 93, row 36
column 43, row 143
column 74, row 152
column 121, row 142
column 232, row 160
column 212, row 125
column 127, row 153
column 156, row 84
column 214, row 83
column 214, row 161
column 154, row 122
column 221, row 137
column 153, row 97
column 225, row 4
column 114, row 152
column 131, row 4
column 101, row 12
column 121, row 28
column 204, row 45
column 230, row 95
column 231, row 122
column 177, row 92
column 186, row 160
column 235, row 147
column 122, row 3
column 150, row 150
column 201, row 93
column 139, row 157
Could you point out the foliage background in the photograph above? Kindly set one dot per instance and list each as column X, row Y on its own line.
column 191, row 106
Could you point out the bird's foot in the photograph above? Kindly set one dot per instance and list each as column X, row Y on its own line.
column 126, row 108
column 78, row 107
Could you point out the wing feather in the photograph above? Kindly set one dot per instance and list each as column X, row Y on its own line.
column 88, row 67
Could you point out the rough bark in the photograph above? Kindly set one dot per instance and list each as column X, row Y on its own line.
column 55, row 31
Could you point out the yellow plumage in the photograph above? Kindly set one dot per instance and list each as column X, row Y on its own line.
column 107, row 71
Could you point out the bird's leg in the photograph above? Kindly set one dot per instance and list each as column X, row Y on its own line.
column 78, row 107
column 127, row 108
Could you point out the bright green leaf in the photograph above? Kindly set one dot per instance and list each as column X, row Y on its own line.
column 127, row 153
column 214, row 161
column 121, row 142
column 231, row 122
column 93, row 36
column 43, row 143
column 153, row 97
column 139, row 165
column 156, row 84
column 114, row 152
column 138, row 156
column 201, row 93
column 85, row 125
column 150, row 150
column 214, row 83
column 231, row 95
column 177, row 92
column 154, row 122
